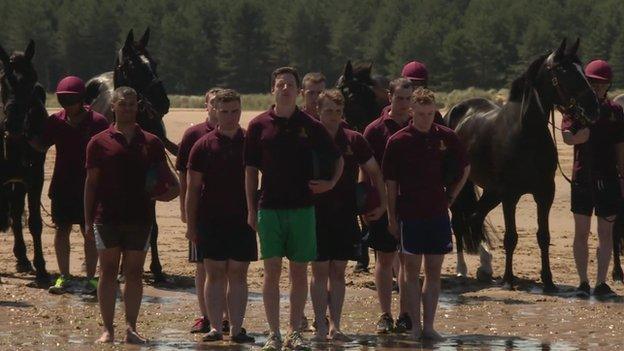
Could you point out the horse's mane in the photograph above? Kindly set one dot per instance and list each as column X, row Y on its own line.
column 519, row 85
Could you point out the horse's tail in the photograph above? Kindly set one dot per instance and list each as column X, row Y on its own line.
column 469, row 233
column 4, row 211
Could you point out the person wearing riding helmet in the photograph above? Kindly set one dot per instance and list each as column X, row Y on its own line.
column 418, row 74
column 70, row 130
column 598, row 160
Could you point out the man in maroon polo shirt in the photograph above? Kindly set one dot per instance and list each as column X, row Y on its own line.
column 283, row 143
column 598, row 156
column 217, row 217
column 337, row 230
column 191, row 135
column 70, row 130
column 377, row 133
column 418, row 74
column 418, row 214
column 313, row 84
column 118, row 207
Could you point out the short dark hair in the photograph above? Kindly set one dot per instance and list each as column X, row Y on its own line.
column 122, row 92
column 227, row 95
column 285, row 70
column 333, row 95
column 400, row 83
column 314, row 78
column 423, row 96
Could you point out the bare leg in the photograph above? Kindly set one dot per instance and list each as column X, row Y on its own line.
column 236, row 294
column 411, row 266
column 582, row 225
column 431, row 294
column 320, row 297
column 383, row 280
column 298, row 293
column 336, row 294
column 91, row 255
column 107, row 291
column 215, row 290
column 133, row 261
column 403, row 297
column 200, row 282
column 605, row 247
column 62, row 248
column 270, row 292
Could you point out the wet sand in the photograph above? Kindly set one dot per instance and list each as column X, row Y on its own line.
column 471, row 315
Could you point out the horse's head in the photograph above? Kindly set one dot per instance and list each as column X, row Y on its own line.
column 358, row 89
column 135, row 67
column 23, row 99
column 561, row 76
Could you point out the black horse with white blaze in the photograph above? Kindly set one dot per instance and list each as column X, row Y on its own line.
column 512, row 153
column 21, row 167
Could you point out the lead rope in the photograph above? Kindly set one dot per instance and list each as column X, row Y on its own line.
column 554, row 136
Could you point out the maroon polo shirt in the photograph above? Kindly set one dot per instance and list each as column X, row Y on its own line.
column 120, row 194
column 219, row 159
column 69, row 173
column 282, row 149
column 355, row 152
column 596, row 158
column 414, row 160
column 191, row 135
column 379, row 131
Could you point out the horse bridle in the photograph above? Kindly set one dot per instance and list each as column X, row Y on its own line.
column 144, row 103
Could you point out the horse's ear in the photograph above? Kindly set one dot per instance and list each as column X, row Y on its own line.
column 368, row 69
column 129, row 39
column 561, row 50
column 4, row 58
column 571, row 51
column 348, row 71
column 145, row 38
column 29, row 53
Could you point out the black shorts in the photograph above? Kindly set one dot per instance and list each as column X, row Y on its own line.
column 603, row 197
column 67, row 210
column 227, row 240
column 125, row 236
column 379, row 238
column 337, row 236
column 195, row 253
column 426, row 236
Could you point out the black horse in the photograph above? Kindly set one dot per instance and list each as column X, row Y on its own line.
column 364, row 96
column 512, row 153
column 21, row 166
column 134, row 67
column 618, row 228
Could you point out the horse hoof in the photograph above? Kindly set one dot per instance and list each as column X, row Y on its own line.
column 550, row 288
column 484, row 277
column 160, row 278
column 42, row 279
column 24, row 267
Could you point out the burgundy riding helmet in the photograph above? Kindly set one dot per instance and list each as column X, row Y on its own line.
column 415, row 70
column 71, row 85
column 599, row 70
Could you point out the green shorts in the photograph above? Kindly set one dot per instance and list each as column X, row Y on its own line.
column 287, row 233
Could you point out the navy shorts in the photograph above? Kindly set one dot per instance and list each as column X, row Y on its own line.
column 337, row 236
column 67, row 210
column 379, row 238
column 223, row 240
column 426, row 236
column 603, row 197
column 195, row 253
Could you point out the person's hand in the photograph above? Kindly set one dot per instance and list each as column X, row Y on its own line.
column 375, row 214
column 89, row 235
column 252, row 219
column 191, row 234
column 393, row 227
column 320, row 186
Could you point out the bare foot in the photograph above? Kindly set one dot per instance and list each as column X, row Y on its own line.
column 416, row 333
column 105, row 338
column 432, row 335
column 319, row 337
column 133, row 337
column 337, row 335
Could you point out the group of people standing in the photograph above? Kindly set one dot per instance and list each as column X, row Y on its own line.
column 313, row 167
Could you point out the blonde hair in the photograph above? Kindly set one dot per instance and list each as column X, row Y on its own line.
column 423, row 96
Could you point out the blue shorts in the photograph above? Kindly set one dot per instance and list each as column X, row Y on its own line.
column 426, row 236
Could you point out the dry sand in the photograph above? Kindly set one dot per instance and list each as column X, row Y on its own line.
column 471, row 315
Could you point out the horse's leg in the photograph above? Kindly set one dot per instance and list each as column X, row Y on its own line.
column 155, row 266
column 544, row 200
column 461, row 269
column 511, row 237
column 618, row 228
column 486, row 203
column 18, row 192
column 35, row 223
